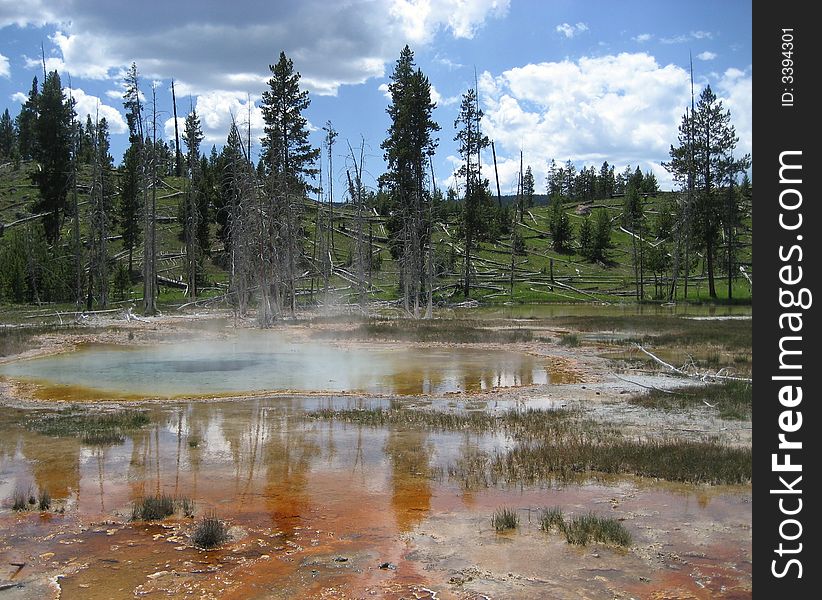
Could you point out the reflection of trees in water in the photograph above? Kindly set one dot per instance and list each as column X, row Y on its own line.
column 287, row 455
column 55, row 463
column 409, row 454
column 412, row 379
column 144, row 465
column 9, row 441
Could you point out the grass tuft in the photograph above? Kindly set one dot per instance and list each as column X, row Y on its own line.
column 210, row 532
column 570, row 339
column 19, row 500
column 552, row 518
column 152, row 508
column 186, row 506
column 592, row 528
column 44, row 500
column 504, row 519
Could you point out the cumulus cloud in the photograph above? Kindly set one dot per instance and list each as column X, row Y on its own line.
column 88, row 105
column 421, row 19
column 706, row 55
column 19, row 97
column 216, row 110
column 5, row 69
column 621, row 108
column 735, row 89
column 569, row 30
column 31, row 12
column 230, row 46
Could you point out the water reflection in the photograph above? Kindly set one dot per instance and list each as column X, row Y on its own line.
column 303, row 489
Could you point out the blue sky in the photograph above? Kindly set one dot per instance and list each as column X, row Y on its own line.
column 586, row 81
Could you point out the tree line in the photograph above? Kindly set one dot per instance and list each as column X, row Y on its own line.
column 275, row 226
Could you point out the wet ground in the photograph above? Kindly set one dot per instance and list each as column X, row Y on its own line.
column 326, row 509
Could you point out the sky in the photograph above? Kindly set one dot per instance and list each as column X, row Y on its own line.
column 566, row 80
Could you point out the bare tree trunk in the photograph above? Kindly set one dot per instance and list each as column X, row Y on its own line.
column 178, row 162
column 150, row 204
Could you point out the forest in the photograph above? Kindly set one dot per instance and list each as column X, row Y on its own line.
column 174, row 223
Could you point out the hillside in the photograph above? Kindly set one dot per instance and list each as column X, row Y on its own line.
column 540, row 273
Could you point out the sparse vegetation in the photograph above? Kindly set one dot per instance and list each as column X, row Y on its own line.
column 152, row 508
column 592, row 528
column 730, row 399
column 504, row 519
column 569, row 339
column 520, row 424
column 666, row 330
column 552, row 518
column 92, row 427
column 187, row 507
column 439, row 330
column 210, row 532
column 44, row 500
column 160, row 506
column 19, row 500
column 561, row 445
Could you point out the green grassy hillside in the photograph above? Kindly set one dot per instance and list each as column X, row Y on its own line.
column 540, row 273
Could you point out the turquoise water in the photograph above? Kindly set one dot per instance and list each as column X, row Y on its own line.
column 269, row 361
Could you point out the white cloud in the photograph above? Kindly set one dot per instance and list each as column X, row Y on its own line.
column 31, row 12
column 735, row 89
column 448, row 63
column 706, row 55
column 570, row 31
column 230, row 46
column 421, row 19
column 5, row 70
column 643, row 37
column 215, row 110
column 86, row 104
column 436, row 97
column 687, row 37
column 621, row 108
column 19, row 97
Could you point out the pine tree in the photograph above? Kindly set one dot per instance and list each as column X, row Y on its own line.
column 102, row 214
column 560, row 226
column 53, row 151
column 8, row 136
column 27, row 123
column 288, row 161
column 471, row 142
column 602, row 235
column 606, row 180
column 190, row 214
column 130, row 208
column 633, row 217
column 408, row 147
column 528, row 189
column 586, row 238
column 705, row 155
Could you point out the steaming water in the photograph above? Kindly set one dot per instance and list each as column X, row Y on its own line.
column 266, row 361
